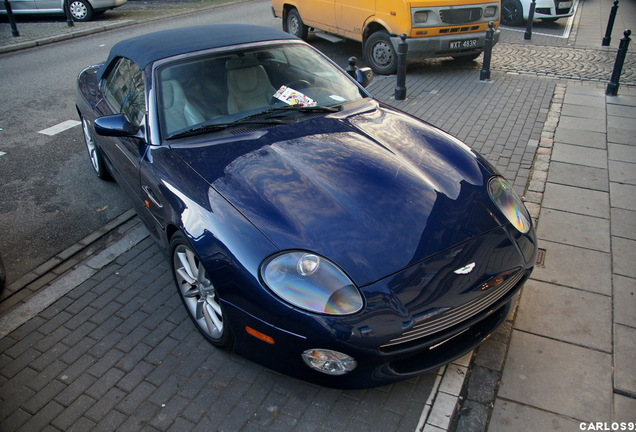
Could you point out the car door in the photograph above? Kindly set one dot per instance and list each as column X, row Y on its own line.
column 21, row 6
column 50, row 5
column 124, row 92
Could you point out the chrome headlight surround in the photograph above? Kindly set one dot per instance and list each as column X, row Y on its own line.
column 329, row 362
column 509, row 203
column 312, row 283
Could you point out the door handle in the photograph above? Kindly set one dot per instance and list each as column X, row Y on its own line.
column 151, row 197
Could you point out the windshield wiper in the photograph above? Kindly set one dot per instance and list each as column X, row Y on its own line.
column 221, row 126
column 263, row 117
column 298, row 108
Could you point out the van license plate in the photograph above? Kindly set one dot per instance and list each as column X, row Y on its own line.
column 565, row 5
column 463, row 44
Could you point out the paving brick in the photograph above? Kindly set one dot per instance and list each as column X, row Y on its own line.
column 45, row 376
column 625, row 352
column 105, row 363
column 75, row 389
column 81, row 425
column 624, row 256
column 508, row 416
column 104, row 407
column 52, row 340
column 181, row 425
column 39, row 421
column 104, row 383
column 15, row 420
column 168, row 413
column 135, row 376
column 534, row 375
column 112, row 421
column 560, row 310
column 43, row 397
column 73, row 413
column 135, row 398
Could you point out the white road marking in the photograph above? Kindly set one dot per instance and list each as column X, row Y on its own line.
column 61, row 127
column 2, row 153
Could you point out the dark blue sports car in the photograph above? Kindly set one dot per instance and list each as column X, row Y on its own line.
column 309, row 227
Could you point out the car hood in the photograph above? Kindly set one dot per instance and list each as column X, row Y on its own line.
column 370, row 188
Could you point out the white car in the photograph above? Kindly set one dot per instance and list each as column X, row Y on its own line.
column 81, row 10
column 516, row 12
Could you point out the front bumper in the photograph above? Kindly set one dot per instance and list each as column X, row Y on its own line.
column 456, row 44
column 550, row 9
column 414, row 321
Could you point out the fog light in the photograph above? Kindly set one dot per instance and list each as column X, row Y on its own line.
column 329, row 362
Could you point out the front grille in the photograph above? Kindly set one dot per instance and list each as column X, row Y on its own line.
column 460, row 16
column 456, row 315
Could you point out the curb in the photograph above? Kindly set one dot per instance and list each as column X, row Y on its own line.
column 480, row 387
column 70, row 280
column 105, row 27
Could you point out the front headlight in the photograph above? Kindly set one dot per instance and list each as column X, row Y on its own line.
column 311, row 282
column 420, row 17
column 509, row 203
column 490, row 11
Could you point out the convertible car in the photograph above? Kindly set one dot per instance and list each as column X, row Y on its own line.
column 309, row 227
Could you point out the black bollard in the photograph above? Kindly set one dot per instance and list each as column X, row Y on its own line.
column 612, row 87
column 14, row 27
column 403, row 48
column 352, row 68
column 67, row 11
column 528, row 33
column 485, row 69
column 610, row 24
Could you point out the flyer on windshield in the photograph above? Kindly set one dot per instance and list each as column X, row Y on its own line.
column 294, row 97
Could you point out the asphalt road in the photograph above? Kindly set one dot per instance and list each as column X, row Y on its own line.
column 49, row 196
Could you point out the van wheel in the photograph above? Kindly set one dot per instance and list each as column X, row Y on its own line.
column 379, row 52
column 295, row 26
column 511, row 12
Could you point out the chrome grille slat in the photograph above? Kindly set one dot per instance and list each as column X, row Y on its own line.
column 456, row 315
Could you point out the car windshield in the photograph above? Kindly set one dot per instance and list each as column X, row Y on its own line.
column 203, row 93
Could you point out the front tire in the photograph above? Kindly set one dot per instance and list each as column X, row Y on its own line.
column 94, row 154
column 294, row 25
column 379, row 52
column 511, row 13
column 198, row 293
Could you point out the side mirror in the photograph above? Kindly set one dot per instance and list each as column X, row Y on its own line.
column 364, row 76
column 117, row 125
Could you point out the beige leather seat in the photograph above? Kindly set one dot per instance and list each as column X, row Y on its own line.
column 248, row 85
column 178, row 113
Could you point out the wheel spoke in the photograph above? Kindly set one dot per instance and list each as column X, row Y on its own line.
column 185, row 262
column 199, row 311
column 186, row 276
column 215, row 325
column 191, row 292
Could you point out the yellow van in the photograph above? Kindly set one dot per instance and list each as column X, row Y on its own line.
column 434, row 28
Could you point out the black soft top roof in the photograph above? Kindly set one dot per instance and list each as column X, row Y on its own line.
column 148, row 48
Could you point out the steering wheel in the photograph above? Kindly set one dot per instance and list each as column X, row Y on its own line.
column 298, row 84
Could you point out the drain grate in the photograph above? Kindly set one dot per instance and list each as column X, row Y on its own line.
column 540, row 257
